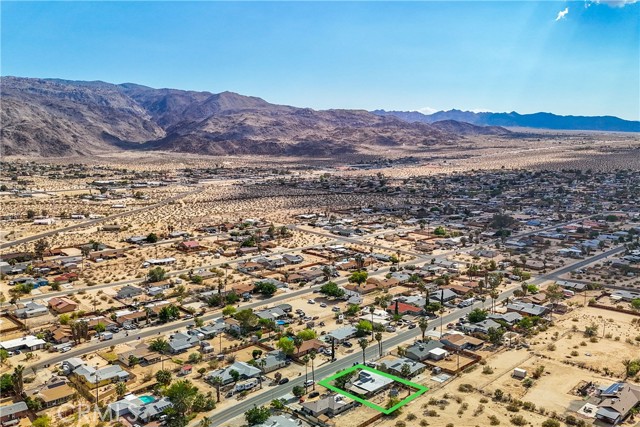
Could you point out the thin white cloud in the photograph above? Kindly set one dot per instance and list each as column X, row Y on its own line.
column 481, row 110
column 427, row 110
column 562, row 14
column 614, row 3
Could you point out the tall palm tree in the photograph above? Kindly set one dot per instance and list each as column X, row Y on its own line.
column 312, row 356
column 305, row 359
column 18, row 380
column 371, row 310
column 364, row 343
column 379, row 339
column 297, row 342
column 494, row 296
column 262, row 363
column 217, row 383
column 423, row 324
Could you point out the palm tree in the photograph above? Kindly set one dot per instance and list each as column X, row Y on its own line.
column 217, row 383
column 312, row 356
column 205, row 422
column 364, row 343
column 18, row 380
column 262, row 363
column 298, row 343
column 379, row 339
column 494, row 296
column 121, row 389
column 371, row 310
column 305, row 359
column 423, row 324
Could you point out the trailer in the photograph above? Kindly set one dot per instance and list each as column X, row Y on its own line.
column 519, row 373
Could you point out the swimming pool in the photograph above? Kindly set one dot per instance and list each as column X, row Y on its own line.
column 281, row 322
column 147, row 399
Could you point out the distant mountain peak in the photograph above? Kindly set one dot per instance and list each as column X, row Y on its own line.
column 541, row 120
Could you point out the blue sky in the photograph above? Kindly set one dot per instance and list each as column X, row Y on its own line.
column 475, row 55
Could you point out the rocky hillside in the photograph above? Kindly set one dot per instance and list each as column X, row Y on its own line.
column 48, row 117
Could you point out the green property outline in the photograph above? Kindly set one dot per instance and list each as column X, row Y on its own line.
column 420, row 388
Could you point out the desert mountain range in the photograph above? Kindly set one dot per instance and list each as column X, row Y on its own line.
column 54, row 118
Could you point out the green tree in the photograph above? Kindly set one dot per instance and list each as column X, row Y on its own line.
column 266, row 288
column 248, row 320
column 229, row 311
column 635, row 303
column 331, row 289
column 298, row 391
column 286, row 345
column 42, row 421
column 40, row 247
column 363, row 327
column 235, row 375
column 306, row 334
column 257, row 415
column 405, row 370
column 100, row 327
column 152, row 238
column 156, row 274
column 160, row 345
column 4, row 355
column 17, row 378
column 378, row 338
column 495, row 335
column 277, row 405
column 358, row 277
column 182, row 394
column 477, row 315
column 163, row 377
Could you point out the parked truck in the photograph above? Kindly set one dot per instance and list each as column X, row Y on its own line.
column 106, row 336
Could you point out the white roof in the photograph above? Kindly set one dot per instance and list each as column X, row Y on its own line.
column 28, row 341
column 438, row 351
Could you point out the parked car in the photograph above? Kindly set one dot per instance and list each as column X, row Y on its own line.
column 390, row 328
column 308, row 383
column 323, row 305
column 347, row 344
column 313, row 394
column 283, row 381
column 336, row 309
column 412, row 325
column 311, row 301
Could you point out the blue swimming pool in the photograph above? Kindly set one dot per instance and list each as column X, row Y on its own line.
column 147, row 399
column 281, row 322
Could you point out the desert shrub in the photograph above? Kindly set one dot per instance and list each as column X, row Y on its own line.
column 512, row 407
column 411, row 416
column 519, row 420
column 465, row 388
column 551, row 423
column 487, row 370
column 493, row 420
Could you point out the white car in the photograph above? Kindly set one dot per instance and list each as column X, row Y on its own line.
column 311, row 301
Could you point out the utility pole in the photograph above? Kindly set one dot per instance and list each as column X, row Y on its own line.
column 97, row 386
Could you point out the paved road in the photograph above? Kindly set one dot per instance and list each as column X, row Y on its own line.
column 371, row 352
column 98, row 220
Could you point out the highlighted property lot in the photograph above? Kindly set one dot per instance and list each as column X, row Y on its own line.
column 328, row 383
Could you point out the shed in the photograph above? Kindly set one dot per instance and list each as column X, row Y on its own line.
column 519, row 373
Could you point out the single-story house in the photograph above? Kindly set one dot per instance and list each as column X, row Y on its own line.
column 190, row 246
column 510, row 318
column 140, row 410
column 342, row 334
column 369, row 383
column 617, row 402
column 273, row 360
column 14, row 411
column 422, row 351
column 62, row 305
column 461, row 342
column 527, row 309
column 245, row 370
column 93, row 378
column 310, row 345
column 31, row 309
column 129, row 291
column 55, row 394
column 482, row 327
column 330, row 406
column 30, row 342
column 404, row 308
column 395, row 366
column 180, row 342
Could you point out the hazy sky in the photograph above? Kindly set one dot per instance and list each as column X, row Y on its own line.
column 579, row 58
